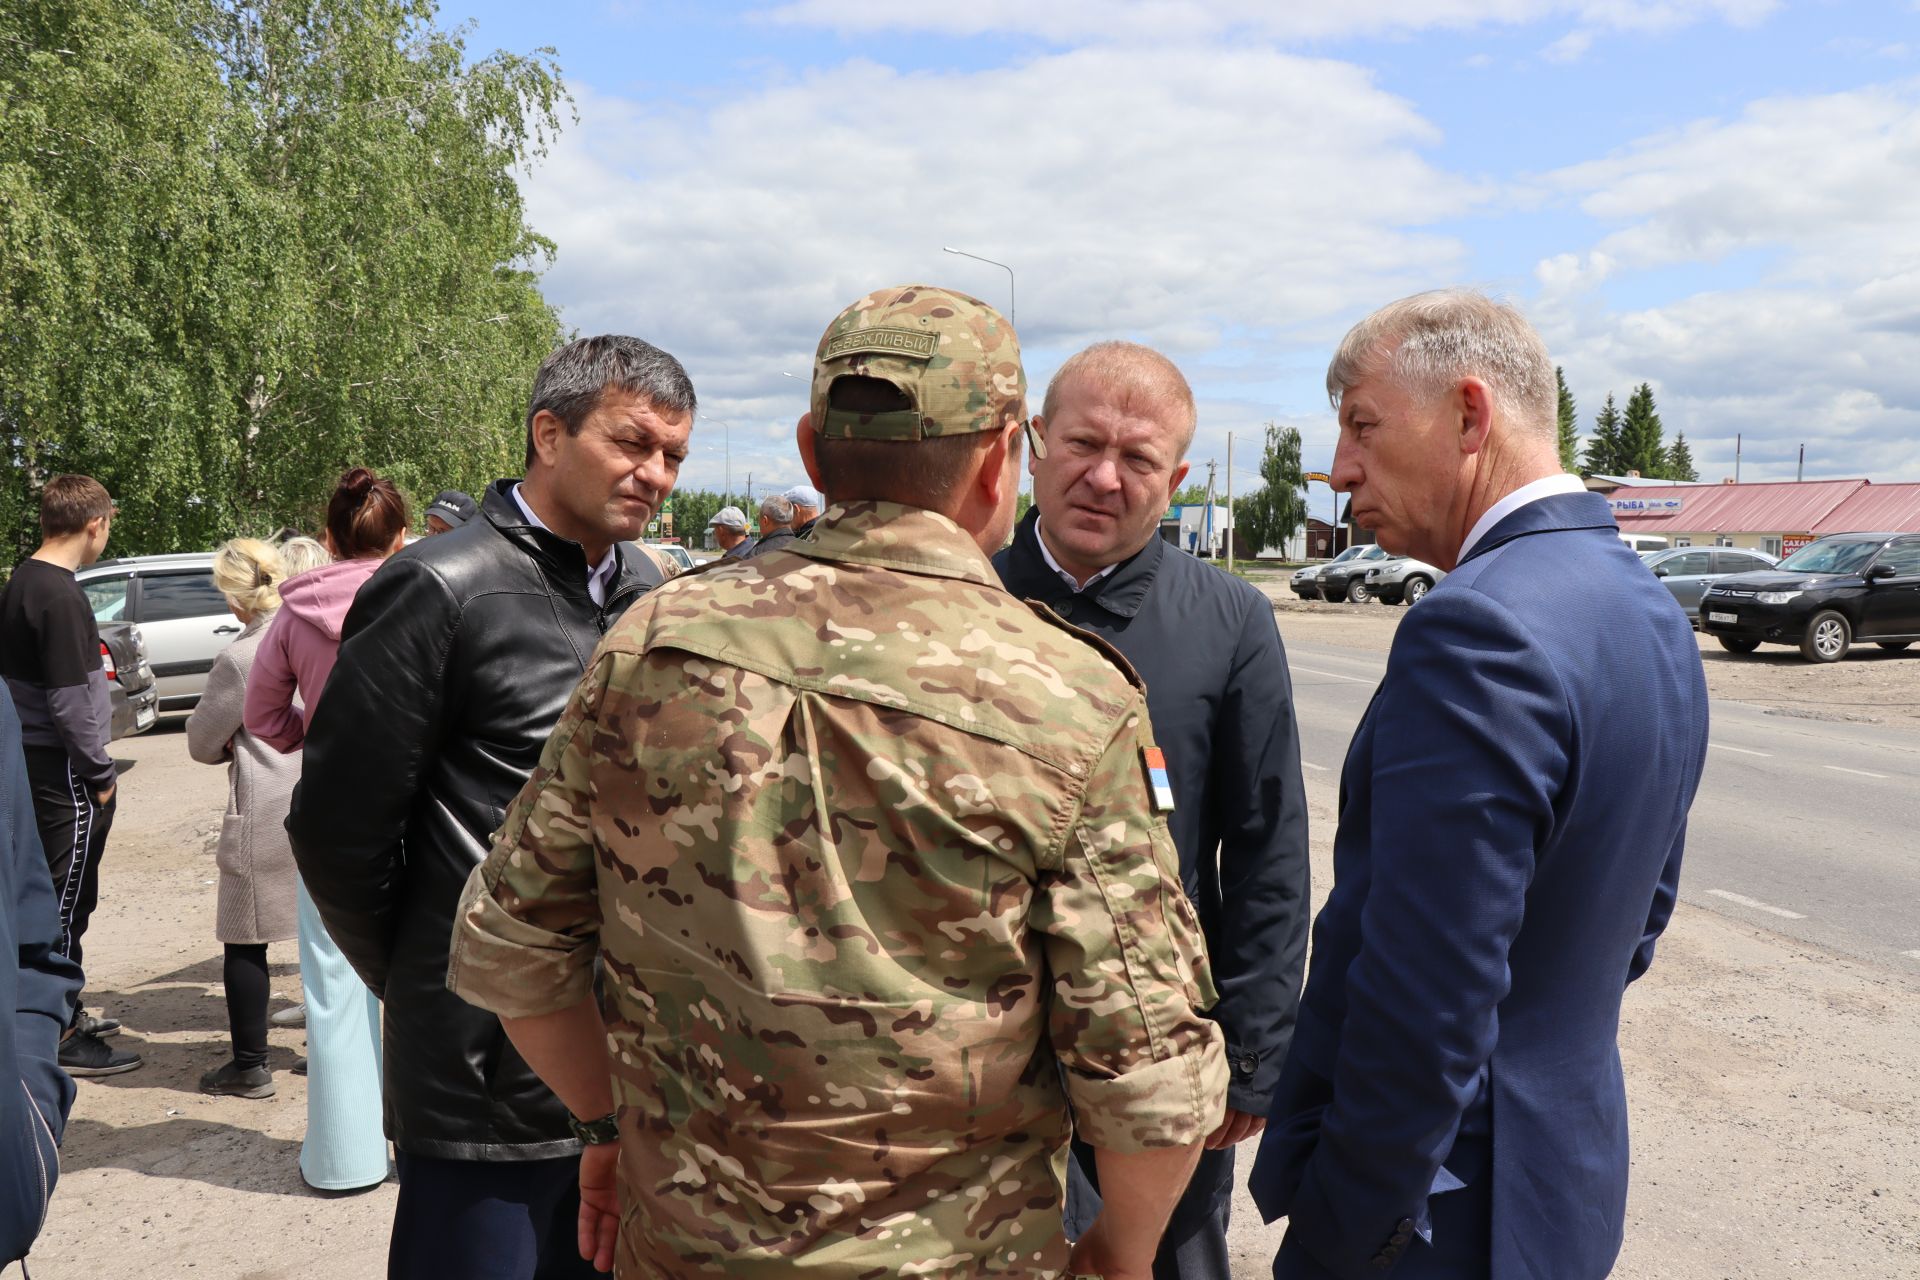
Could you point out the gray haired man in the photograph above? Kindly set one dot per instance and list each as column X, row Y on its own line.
column 776, row 524
column 729, row 525
column 455, row 662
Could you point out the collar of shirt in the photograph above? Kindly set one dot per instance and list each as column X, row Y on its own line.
column 896, row 536
column 1546, row 487
column 1046, row 553
column 597, row 577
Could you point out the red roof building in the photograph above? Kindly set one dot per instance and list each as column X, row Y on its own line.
column 1772, row 516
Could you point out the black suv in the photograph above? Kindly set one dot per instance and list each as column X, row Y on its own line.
column 1823, row 597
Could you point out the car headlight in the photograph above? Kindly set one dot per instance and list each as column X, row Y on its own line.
column 1774, row 597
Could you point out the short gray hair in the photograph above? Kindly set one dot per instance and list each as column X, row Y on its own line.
column 297, row 555
column 572, row 380
column 1432, row 340
column 778, row 509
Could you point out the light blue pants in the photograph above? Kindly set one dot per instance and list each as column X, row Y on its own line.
column 345, row 1145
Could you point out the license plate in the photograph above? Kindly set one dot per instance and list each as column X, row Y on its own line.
column 1723, row 617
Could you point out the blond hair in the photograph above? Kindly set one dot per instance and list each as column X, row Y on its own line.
column 1129, row 372
column 248, row 573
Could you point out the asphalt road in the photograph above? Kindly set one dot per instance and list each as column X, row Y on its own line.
column 1807, row 827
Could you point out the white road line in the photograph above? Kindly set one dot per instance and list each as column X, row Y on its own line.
column 1332, row 675
column 1756, row 904
column 1721, row 746
column 1318, row 768
column 1860, row 772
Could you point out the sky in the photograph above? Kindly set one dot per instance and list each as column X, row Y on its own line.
column 1720, row 198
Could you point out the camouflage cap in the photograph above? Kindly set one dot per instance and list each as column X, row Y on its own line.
column 956, row 359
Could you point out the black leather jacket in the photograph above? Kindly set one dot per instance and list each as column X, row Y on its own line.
column 456, row 660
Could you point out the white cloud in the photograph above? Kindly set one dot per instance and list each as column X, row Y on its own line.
column 1187, row 197
column 1135, row 20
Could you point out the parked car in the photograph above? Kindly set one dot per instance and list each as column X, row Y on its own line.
column 183, row 618
column 1349, row 581
column 1306, row 581
column 1823, row 597
column 1402, row 580
column 1644, row 542
column 130, row 683
column 1687, row 571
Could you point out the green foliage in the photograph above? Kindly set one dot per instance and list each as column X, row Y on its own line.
column 1569, row 424
column 1680, row 460
column 1269, row 515
column 1642, row 438
column 1193, row 495
column 693, row 508
column 1603, row 448
column 245, row 244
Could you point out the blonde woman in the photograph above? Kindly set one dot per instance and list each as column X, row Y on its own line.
column 258, row 882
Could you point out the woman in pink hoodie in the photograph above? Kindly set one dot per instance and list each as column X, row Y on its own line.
column 345, row 1146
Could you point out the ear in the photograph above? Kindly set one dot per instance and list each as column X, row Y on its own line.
column 804, row 437
column 1179, row 478
column 547, row 428
column 1033, row 459
column 1475, row 402
column 995, row 477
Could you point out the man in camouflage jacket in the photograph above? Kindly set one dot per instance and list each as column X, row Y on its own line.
column 867, row 851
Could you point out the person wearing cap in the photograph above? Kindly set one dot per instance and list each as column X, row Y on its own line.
column 50, row 658
column 1118, row 420
column 808, row 502
column 864, row 852
column 449, row 510
column 729, row 525
column 776, row 524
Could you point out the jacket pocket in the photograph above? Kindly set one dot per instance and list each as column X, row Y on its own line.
column 230, row 855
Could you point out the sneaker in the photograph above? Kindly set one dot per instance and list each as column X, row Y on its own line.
column 89, row 1025
column 299, row 1067
column 85, row 1055
column 291, row 1017
column 233, row 1082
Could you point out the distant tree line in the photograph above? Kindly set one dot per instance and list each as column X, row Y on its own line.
column 1623, row 442
column 245, row 244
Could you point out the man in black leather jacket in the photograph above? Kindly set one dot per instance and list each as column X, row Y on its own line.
column 455, row 662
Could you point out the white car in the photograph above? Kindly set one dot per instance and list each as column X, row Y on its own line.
column 182, row 616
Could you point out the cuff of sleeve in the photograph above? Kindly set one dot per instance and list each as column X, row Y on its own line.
column 1174, row 1102
column 508, row 967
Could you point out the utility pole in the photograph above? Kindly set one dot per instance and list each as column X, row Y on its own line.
column 1230, row 502
column 1209, row 524
column 1800, row 473
column 1736, row 457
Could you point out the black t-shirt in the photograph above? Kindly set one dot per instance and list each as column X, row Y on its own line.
column 50, row 659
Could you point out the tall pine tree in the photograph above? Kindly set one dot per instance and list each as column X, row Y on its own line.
column 1643, row 445
column 1603, row 449
column 1569, row 426
column 1680, row 460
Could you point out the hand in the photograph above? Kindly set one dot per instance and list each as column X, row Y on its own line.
column 1235, row 1129
column 1093, row 1256
column 105, row 798
column 599, row 1203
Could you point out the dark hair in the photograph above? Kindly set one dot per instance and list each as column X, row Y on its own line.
column 365, row 515
column 69, row 502
column 917, row 473
column 572, row 380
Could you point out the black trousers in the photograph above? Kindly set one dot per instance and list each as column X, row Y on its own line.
column 73, row 832
column 487, row 1220
column 1195, row 1244
column 244, row 972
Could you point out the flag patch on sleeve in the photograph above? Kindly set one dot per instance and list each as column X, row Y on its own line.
column 1158, row 781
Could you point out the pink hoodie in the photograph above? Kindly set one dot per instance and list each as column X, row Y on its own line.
column 298, row 651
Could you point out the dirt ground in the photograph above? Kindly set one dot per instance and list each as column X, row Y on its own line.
column 1775, row 1088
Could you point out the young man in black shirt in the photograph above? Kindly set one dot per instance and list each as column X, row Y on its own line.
column 50, row 658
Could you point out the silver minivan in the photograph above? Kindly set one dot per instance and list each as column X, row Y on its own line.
column 183, row 617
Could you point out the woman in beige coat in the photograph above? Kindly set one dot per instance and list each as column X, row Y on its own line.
column 257, row 875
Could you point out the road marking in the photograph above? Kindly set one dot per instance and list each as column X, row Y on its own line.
column 1332, row 675
column 1756, row 904
column 1721, row 746
column 1861, row 772
column 1308, row 764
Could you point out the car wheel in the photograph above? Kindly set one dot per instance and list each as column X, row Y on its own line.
column 1893, row 646
column 1357, row 592
column 1738, row 644
column 1828, row 637
column 1417, row 587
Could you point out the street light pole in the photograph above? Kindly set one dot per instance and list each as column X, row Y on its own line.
column 1013, row 307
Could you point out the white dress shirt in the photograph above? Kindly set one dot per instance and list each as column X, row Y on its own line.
column 1546, row 487
column 597, row 577
column 1045, row 554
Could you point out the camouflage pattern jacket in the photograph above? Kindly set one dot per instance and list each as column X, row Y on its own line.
column 867, row 850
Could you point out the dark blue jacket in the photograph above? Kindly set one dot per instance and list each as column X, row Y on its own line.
column 37, row 989
column 1222, row 710
column 1512, row 813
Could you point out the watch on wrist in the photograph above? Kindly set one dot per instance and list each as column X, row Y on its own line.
column 596, row 1132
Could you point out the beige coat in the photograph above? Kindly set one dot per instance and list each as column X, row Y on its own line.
column 257, row 875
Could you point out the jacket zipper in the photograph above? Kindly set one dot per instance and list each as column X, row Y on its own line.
column 46, row 1194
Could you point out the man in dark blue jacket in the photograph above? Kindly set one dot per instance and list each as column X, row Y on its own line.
column 38, row 990
column 1509, row 843
column 1117, row 421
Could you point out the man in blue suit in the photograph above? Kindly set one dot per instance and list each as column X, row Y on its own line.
column 1512, row 812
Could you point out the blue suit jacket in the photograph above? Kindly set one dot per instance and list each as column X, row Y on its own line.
column 1512, row 812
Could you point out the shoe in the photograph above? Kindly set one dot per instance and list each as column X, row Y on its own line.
column 233, row 1082
column 299, row 1067
column 89, row 1025
column 85, row 1055
column 293, row 1017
